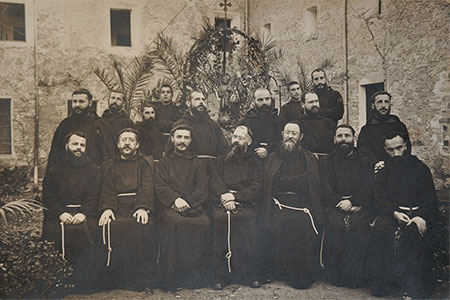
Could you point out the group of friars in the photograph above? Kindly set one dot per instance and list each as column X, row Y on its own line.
column 168, row 202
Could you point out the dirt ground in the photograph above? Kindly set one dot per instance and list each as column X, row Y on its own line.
column 274, row 290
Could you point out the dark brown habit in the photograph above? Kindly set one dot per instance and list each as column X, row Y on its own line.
column 183, row 237
column 244, row 178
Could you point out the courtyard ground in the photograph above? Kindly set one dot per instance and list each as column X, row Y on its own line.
column 274, row 290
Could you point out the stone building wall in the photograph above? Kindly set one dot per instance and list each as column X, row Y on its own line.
column 72, row 37
column 411, row 35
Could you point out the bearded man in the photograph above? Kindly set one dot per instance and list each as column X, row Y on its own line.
column 166, row 112
column 291, row 111
column 151, row 140
column 403, row 233
column 126, row 205
column 263, row 121
column 208, row 139
column 115, row 117
column 293, row 213
column 182, row 193
column 347, row 180
column 318, row 131
column 71, row 191
column 100, row 147
column 370, row 139
column 237, row 184
column 331, row 103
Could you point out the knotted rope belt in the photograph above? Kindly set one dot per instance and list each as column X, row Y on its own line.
column 205, row 156
column 107, row 241
column 308, row 212
column 63, row 247
column 106, row 230
column 229, row 253
column 305, row 210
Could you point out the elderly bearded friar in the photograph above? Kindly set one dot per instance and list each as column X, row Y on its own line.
column 237, row 183
column 293, row 211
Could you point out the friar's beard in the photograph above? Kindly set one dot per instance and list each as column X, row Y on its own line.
column 264, row 109
column 288, row 148
column 236, row 153
column 114, row 108
column 200, row 115
column 345, row 147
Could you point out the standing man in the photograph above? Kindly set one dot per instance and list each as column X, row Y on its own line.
column 317, row 130
column 370, row 139
column 291, row 111
column 182, row 192
column 115, row 117
column 331, row 104
column 264, row 123
column 407, row 206
column 71, row 191
column 166, row 111
column 126, row 205
column 100, row 147
column 151, row 140
column 237, row 184
column 208, row 139
column 347, row 179
column 292, row 212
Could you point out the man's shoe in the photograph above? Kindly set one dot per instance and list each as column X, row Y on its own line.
column 255, row 284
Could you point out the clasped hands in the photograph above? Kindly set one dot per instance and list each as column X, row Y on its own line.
column 141, row 216
column 228, row 201
column 67, row 218
column 419, row 221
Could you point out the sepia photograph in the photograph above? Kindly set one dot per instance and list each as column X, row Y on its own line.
column 224, row 149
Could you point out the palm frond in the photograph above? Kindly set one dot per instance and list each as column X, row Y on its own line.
column 21, row 206
column 106, row 77
column 303, row 77
column 119, row 72
column 170, row 59
column 327, row 64
column 138, row 75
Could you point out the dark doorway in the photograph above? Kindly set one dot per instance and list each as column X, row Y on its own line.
column 370, row 90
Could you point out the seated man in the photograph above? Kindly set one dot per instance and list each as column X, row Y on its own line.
column 407, row 206
column 346, row 184
column 126, row 203
column 70, row 193
column 237, row 184
column 292, row 211
column 151, row 141
column 181, row 189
